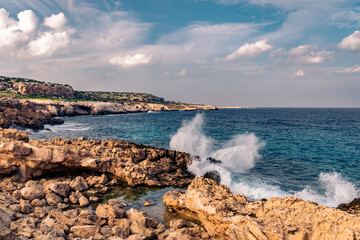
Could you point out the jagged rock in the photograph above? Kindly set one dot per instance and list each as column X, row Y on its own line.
column 353, row 207
column 79, row 183
column 117, row 203
column 31, row 193
column 108, row 211
column 225, row 215
column 86, row 231
column 133, row 163
column 61, row 189
column 138, row 228
column 122, row 229
column 24, row 226
column 5, row 218
column 25, row 206
column 83, row 201
column 7, row 234
column 214, row 175
column 53, row 199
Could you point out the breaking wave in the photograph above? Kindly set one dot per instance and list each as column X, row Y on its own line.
column 239, row 155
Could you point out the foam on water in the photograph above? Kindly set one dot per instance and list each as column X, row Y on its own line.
column 239, row 155
column 67, row 126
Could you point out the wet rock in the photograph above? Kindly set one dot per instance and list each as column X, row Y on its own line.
column 353, row 207
column 214, row 175
column 79, row 184
column 53, row 199
column 86, row 231
column 117, row 203
column 147, row 204
column 61, row 189
column 225, row 215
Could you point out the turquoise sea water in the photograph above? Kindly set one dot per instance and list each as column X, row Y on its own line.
column 266, row 152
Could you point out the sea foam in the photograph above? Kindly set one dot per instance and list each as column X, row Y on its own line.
column 239, row 155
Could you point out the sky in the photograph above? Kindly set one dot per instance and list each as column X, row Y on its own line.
column 256, row 53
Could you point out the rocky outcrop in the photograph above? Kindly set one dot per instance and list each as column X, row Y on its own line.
column 36, row 113
column 229, row 216
column 133, row 163
column 30, row 87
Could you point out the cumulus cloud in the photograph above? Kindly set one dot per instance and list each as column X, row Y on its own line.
column 250, row 50
column 300, row 73
column 351, row 42
column 48, row 43
column 354, row 69
column 308, row 54
column 13, row 32
column 57, row 21
column 129, row 61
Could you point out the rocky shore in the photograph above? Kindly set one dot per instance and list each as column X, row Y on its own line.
column 35, row 113
column 225, row 215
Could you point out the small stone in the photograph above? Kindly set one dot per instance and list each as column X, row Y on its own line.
column 53, row 199
column 85, row 231
column 40, row 212
column 104, row 190
column 38, row 203
column 138, row 228
column 122, row 229
column 62, row 206
column 15, row 207
column 147, row 204
column 74, row 198
column 79, row 184
column 107, row 211
column 83, row 201
column 93, row 199
column 31, row 193
column 117, row 203
column 16, row 194
column 25, row 206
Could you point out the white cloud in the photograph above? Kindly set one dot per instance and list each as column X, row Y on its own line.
column 183, row 72
column 131, row 60
column 354, row 69
column 351, row 42
column 57, row 21
column 48, row 43
column 13, row 32
column 250, row 50
column 307, row 54
column 300, row 73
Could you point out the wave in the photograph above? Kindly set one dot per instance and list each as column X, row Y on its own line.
column 239, row 155
column 67, row 126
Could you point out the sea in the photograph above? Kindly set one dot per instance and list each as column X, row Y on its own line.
column 312, row 153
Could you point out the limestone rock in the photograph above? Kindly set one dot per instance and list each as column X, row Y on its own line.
column 53, row 199
column 31, row 193
column 79, row 184
column 108, row 211
column 225, row 215
column 61, row 189
column 86, row 231
column 25, row 206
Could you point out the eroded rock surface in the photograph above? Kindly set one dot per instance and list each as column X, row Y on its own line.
column 229, row 216
column 133, row 163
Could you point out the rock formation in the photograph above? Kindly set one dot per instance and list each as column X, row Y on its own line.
column 229, row 216
column 133, row 163
column 34, row 113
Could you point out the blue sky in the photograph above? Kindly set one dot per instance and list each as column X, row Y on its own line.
column 280, row 53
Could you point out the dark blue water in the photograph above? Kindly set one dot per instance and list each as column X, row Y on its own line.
column 314, row 153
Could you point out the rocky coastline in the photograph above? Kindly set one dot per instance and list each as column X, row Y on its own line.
column 35, row 113
column 53, row 189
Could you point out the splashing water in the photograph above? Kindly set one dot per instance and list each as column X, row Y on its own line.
column 239, row 155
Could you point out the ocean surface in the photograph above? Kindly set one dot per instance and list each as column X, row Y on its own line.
column 265, row 152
